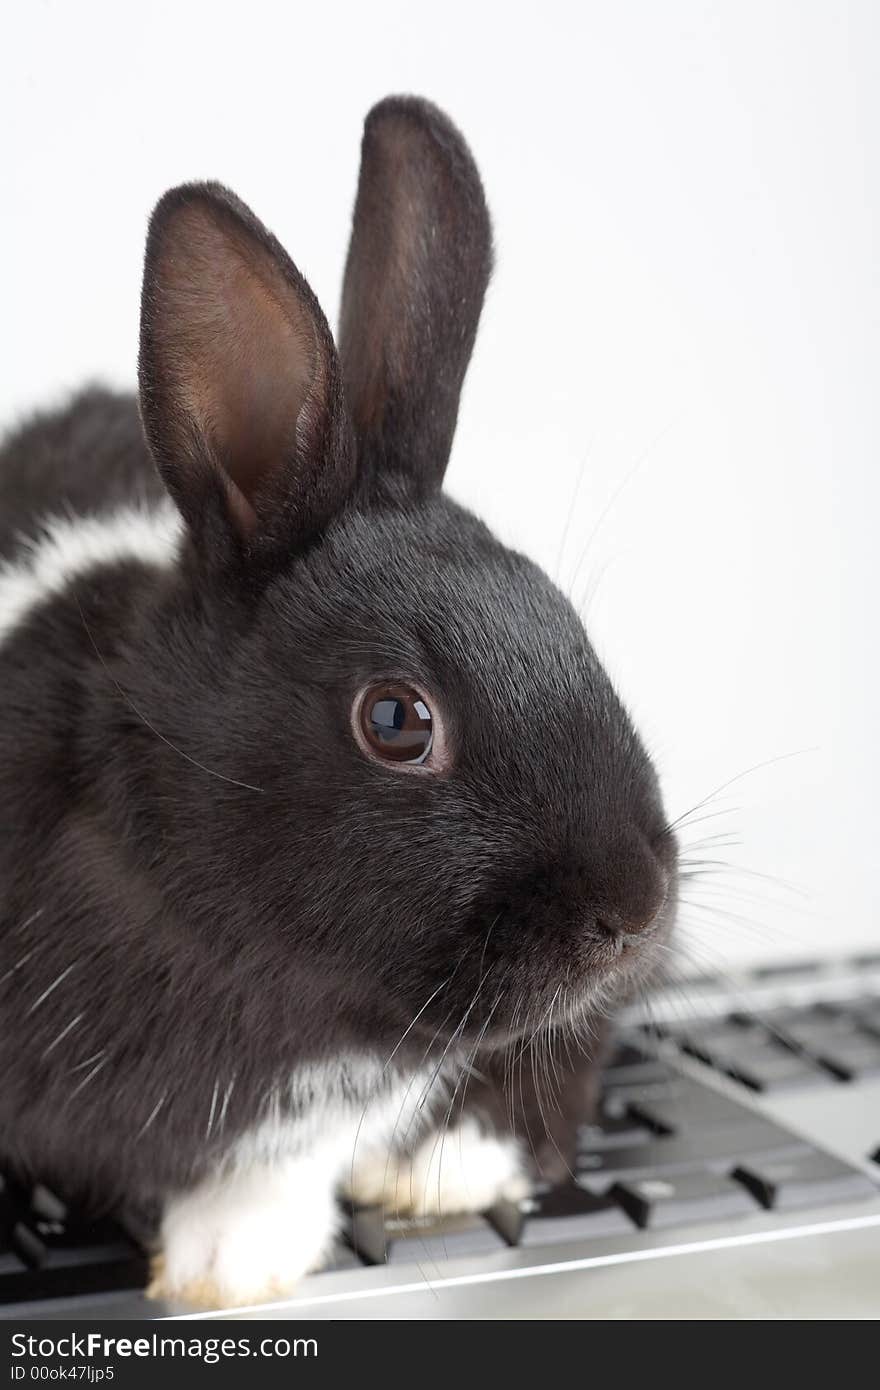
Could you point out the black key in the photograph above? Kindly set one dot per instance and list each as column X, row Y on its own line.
column 619, row 1099
column 28, row 1244
column 767, row 1072
column 30, row 1271
column 52, row 1246
column 868, row 1015
column 47, row 1205
column 835, row 1038
column 770, row 1068
column 612, row 1132
column 805, row 1029
column 44, row 1257
column 704, row 1040
column 568, row 1213
column 389, row 1240
column 841, row 1008
column 850, row 1056
column 682, row 1198
column 807, row 1178
column 632, row 1068
column 598, row 1171
column 616, row 1100
column 687, row 1105
column 643, row 1121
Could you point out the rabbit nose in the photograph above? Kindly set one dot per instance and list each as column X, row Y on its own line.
column 629, row 889
column 625, row 930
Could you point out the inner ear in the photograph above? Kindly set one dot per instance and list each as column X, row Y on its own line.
column 237, row 364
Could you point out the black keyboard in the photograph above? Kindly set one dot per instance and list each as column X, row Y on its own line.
column 48, row 1250
column 666, row 1150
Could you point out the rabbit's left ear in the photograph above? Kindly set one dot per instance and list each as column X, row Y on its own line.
column 418, row 267
column 240, row 386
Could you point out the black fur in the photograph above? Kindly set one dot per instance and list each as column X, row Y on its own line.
column 189, row 829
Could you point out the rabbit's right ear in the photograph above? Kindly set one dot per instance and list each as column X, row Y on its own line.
column 417, row 271
column 240, row 388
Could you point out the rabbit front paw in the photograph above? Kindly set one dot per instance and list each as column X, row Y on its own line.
column 464, row 1169
column 244, row 1237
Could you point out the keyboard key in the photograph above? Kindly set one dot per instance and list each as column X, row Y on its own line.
column 568, row 1213
column 385, row 1239
column 42, row 1256
column 850, row 1056
column 807, row 1178
column 765, row 1072
column 868, row 1015
column 612, row 1131
column 807, row 1029
column 630, row 1066
column 721, row 1148
column 687, row 1105
column 51, row 1245
column 680, row 1199
column 834, row 1036
column 45, row 1204
column 770, row 1067
column 29, row 1269
column 28, row 1245
column 704, row 1040
column 762, row 1054
column 643, row 1121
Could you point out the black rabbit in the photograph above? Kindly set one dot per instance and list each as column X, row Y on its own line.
column 311, row 792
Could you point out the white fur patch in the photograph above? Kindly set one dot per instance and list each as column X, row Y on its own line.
column 463, row 1170
column 68, row 547
column 246, row 1236
column 269, row 1214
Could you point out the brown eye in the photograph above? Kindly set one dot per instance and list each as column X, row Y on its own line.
column 395, row 723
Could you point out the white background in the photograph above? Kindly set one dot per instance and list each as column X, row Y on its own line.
column 674, row 398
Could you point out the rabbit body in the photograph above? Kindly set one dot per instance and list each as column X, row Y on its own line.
column 249, row 954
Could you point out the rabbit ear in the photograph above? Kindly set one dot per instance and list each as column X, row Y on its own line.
column 418, row 266
column 239, row 381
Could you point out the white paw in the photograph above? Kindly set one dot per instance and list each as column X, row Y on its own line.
column 466, row 1170
column 245, row 1237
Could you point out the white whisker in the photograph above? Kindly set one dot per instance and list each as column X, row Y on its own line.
column 152, row 1115
column 227, row 1093
column 54, row 985
column 63, row 1034
column 210, row 1125
column 86, row 1079
column 28, row 921
column 81, row 1065
column 24, row 960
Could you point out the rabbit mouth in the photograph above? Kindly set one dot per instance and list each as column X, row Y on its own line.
column 568, row 971
column 553, row 1001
